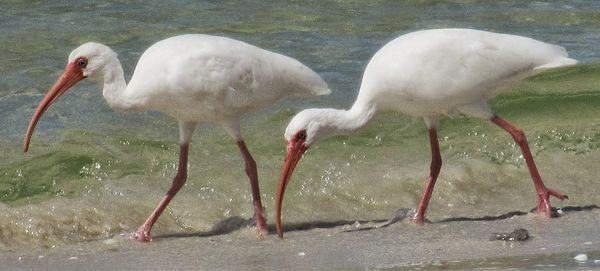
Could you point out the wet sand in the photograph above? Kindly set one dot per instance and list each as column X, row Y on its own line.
column 461, row 243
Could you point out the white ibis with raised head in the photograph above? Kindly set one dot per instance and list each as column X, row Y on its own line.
column 429, row 74
column 195, row 79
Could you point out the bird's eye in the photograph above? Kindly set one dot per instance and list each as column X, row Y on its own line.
column 301, row 135
column 82, row 62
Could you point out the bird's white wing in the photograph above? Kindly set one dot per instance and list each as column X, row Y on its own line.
column 215, row 76
column 445, row 68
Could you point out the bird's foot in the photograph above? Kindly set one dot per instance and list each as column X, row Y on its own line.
column 261, row 224
column 544, row 206
column 418, row 218
column 142, row 235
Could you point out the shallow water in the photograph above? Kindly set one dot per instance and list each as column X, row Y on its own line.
column 92, row 173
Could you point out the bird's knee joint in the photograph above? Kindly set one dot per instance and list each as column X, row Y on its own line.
column 519, row 135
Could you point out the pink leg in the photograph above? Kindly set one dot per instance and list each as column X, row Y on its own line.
column 543, row 192
column 436, row 166
column 252, row 173
column 143, row 232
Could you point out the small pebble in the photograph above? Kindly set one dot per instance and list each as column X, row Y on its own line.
column 41, row 256
column 588, row 243
column 519, row 234
column 73, row 258
column 581, row 257
column 301, row 254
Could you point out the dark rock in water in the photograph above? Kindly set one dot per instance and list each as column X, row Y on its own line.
column 517, row 235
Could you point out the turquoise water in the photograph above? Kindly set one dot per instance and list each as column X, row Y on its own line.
column 92, row 173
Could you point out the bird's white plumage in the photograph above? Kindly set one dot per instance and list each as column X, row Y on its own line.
column 210, row 78
column 200, row 78
column 445, row 71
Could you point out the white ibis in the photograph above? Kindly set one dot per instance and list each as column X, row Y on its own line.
column 195, row 79
column 428, row 74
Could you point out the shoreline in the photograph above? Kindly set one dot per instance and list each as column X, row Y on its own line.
column 462, row 243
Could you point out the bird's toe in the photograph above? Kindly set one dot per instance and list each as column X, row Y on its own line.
column 141, row 235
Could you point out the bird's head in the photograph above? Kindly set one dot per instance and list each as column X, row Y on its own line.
column 88, row 60
column 91, row 58
column 304, row 130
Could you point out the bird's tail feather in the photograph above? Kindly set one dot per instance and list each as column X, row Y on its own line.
column 321, row 91
column 559, row 62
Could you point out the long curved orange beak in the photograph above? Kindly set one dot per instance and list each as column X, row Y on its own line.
column 70, row 77
column 295, row 149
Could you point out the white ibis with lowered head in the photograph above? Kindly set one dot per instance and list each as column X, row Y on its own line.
column 428, row 74
column 195, row 79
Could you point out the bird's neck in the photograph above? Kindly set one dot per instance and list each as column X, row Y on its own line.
column 114, row 87
column 347, row 121
column 359, row 115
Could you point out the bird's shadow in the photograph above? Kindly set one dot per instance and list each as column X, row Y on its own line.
column 225, row 226
column 235, row 223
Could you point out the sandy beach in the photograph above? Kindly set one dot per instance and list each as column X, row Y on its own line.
column 461, row 243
